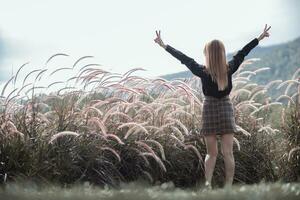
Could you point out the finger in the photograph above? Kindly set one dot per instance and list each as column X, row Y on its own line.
column 156, row 33
column 268, row 28
column 265, row 27
column 159, row 33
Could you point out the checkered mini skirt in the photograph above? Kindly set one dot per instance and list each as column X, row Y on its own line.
column 218, row 116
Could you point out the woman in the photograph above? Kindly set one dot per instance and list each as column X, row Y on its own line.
column 218, row 111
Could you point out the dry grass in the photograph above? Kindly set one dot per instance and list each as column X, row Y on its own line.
column 107, row 128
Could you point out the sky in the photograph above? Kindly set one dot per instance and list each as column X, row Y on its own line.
column 120, row 33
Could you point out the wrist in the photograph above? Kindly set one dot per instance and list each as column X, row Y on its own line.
column 259, row 38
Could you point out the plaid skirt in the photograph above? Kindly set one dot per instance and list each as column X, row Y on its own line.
column 218, row 116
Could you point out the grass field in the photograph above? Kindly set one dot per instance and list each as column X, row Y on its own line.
column 107, row 129
column 138, row 191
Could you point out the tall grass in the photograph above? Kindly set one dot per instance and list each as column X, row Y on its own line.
column 107, row 128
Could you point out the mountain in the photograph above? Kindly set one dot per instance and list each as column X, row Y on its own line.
column 282, row 59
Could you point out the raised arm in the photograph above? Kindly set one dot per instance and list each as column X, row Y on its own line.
column 193, row 66
column 239, row 57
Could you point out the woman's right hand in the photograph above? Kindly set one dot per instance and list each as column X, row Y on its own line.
column 264, row 33
column 159, row 41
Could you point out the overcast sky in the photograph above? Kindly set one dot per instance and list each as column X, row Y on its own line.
column 120, row 33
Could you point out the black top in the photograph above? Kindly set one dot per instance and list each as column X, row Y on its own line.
column 209, row 87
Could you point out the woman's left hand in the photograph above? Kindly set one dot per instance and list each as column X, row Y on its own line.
column 265, row 33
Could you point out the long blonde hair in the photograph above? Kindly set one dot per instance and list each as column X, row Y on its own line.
column 216, row 64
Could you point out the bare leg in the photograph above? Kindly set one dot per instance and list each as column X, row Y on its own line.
column 227, row 145
column 211, row 156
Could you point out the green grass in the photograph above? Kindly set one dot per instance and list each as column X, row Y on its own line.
column 138, row 190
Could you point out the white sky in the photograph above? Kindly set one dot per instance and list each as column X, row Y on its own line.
column 120, row 33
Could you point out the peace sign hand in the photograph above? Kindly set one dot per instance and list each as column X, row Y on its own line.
column 158, row 40
column 265, row 33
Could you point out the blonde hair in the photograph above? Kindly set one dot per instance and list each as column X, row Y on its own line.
column 216, row 64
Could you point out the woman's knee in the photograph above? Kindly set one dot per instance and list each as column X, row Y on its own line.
column 227, row 153
column 227, row 144
column 211, row 145
column 213, row 153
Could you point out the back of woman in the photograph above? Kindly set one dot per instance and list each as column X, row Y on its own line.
column 217, row 111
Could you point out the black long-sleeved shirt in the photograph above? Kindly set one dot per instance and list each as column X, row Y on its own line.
column 209, row 87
